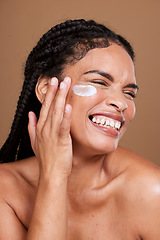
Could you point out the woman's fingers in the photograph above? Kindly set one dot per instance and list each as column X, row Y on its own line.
column 55, row 116
column 50, row 95
column 50, row 137
column 65, row 125
column 56, row 111
column 32, row 127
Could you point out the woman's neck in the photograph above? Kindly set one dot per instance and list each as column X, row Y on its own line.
column 86, row 172
column 93, row 171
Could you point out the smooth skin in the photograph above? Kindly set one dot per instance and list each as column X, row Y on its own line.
column 80, row 185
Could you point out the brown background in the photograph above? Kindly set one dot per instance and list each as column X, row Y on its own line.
column 23, row 22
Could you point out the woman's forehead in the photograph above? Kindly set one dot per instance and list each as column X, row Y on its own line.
column 113, row 59
column 107, row 55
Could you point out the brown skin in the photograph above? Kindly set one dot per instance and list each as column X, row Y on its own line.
column 99, row 192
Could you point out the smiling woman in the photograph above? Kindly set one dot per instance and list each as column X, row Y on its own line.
column 114, row 87
column 71, row 180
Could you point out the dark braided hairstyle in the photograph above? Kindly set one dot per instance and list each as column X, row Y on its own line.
column 63, row 44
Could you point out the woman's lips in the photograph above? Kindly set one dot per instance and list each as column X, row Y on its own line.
column 107, row 122
column 110, row 131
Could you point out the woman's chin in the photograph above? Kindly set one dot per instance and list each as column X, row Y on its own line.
column 106, row 149
column 102, row 147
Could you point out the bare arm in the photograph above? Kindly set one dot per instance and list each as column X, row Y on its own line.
column 49, row 220
column 152, row 228
column 10, row 226
column 150, row 209
column 51, row 142
column 49, row 214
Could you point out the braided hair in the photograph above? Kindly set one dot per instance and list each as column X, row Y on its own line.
column 64, row 43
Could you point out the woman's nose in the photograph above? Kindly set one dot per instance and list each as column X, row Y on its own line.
column 117, row 101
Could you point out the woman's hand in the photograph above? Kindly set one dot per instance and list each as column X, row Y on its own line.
column 50, row 136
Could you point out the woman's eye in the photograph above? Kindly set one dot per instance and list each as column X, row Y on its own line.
column 100, row 82
column 130, row 95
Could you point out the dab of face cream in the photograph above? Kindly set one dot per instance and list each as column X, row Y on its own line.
column 84, row 90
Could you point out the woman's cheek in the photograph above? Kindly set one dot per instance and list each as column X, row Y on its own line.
column 131, row 110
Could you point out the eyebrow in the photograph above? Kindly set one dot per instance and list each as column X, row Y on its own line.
column 132, row 85
column 108, row 76
column 103, row 74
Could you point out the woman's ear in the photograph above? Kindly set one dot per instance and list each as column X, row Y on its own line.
column 41, row 88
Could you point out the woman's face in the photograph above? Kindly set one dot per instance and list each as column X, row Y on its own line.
column 101, row 117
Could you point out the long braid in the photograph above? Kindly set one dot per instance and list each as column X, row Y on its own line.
column 56, row 48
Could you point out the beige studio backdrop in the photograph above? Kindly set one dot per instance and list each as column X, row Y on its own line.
column 23, row 22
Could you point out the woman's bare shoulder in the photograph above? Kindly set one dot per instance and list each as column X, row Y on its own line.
column 17, row 193
column 141, row 188
column 18, row 174
column 142, row 179
column 135, row 160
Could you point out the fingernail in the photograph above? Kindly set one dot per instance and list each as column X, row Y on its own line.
column 67, row 108
column 62, row 85
column 67, row 79
column 53, row 81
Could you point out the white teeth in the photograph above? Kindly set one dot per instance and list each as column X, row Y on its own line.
column 117, row 125
column 107, row 123
column 98, row 121
column 94, row 119
column 112, row 123
column 102, row 121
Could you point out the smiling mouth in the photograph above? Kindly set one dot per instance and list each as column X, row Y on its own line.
column 106, row 122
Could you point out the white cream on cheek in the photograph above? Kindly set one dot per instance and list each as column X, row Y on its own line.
column 84, row 90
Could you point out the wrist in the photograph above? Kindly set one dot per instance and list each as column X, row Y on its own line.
column 53, row 179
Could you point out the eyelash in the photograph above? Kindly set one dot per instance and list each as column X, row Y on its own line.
column 133, row 95
column 100, row 82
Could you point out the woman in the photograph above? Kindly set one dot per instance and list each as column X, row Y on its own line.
column 77, row 184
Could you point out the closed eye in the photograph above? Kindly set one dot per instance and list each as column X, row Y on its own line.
column 99, row 82
column 131, row 95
